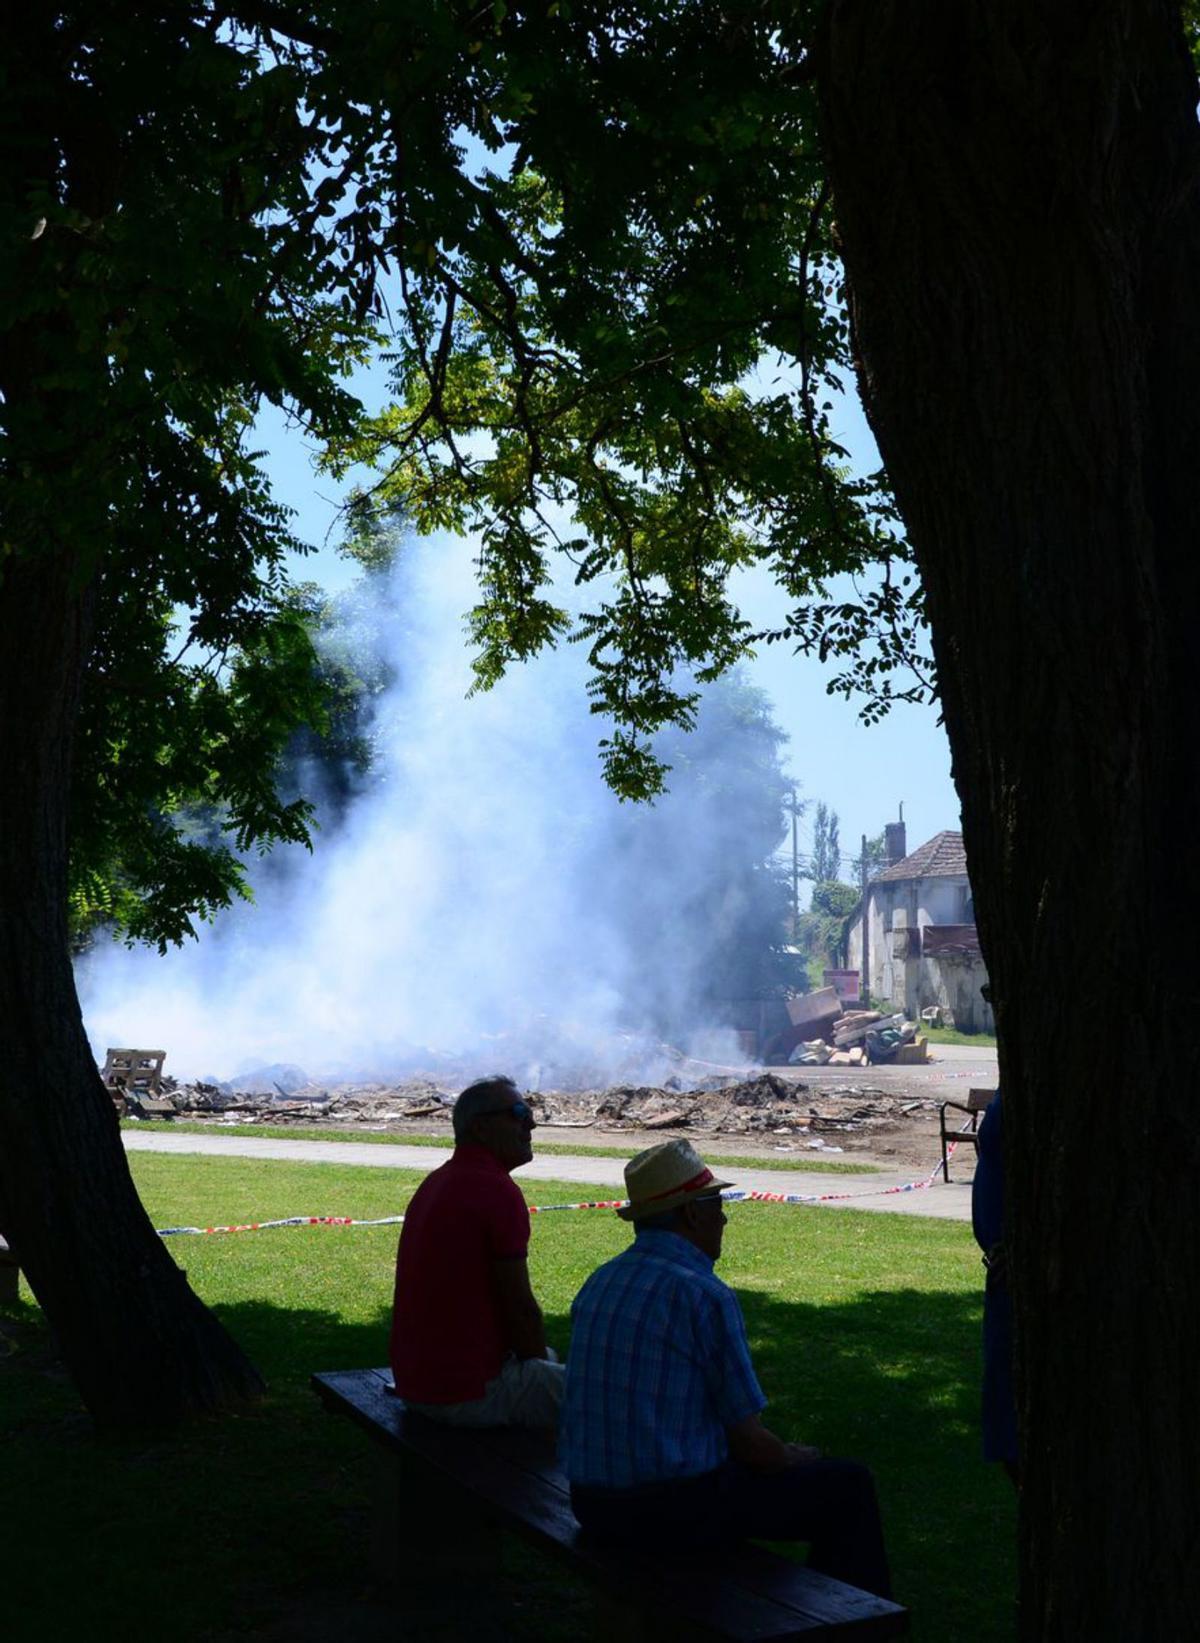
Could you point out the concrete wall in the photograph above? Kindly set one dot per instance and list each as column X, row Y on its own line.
column 911, row 983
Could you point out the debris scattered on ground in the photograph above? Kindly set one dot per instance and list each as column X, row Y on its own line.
column 624, row 1084
column 852, row 1038
column 768, row 1103
column 134, row 1079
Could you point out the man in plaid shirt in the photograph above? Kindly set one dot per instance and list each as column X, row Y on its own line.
column 660, row 1432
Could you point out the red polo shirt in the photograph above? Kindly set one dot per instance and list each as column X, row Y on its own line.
column 447, row 1341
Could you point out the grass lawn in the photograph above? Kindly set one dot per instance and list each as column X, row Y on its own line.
column 864, row 1329
column 951, row 1035
column 817, row 1161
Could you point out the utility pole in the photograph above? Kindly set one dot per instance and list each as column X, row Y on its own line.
column 864, row 988
column 795, row 870
column 793, row 807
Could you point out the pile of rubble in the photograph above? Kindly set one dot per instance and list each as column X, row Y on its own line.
column 306, row 1102
column 573, row 1080
column 767, row 1104
column 822, row 1033
column 721, row 1102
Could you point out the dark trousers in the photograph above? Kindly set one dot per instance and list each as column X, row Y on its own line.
column 829, row 1503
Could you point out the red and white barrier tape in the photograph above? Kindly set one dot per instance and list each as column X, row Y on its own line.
column 756, row 1195
column 286, row 1221
column 752, row 1195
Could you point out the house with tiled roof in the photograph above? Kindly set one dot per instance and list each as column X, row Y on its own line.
column 922, row 948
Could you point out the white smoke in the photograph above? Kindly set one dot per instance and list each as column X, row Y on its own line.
column 453, row 905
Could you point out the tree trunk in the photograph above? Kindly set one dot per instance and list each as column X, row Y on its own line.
column 141, row 1347
column 1015, row 191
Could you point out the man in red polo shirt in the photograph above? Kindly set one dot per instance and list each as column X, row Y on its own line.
column 468, row 1338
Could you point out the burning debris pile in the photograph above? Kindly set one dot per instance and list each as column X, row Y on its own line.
column 767, row 1104
column 568, row 1062
column 376, row 1104
column 823, row 1034
column 628, row 1084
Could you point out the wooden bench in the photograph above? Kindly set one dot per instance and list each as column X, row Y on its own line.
column 447, row 1497
column 976, row 1104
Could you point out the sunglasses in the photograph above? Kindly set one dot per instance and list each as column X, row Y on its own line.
column 517, row 1110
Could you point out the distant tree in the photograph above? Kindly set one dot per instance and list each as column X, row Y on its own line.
column 876, row 854
column 826, row 856
column 328, row 762
column 825, row 929
column 716, row 831
column 151, row 858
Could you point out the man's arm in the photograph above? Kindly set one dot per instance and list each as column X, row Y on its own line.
column 755, row 1446
column 735, row 1392
column 520, row 1316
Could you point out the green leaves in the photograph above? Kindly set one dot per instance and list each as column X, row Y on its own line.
column 177, row 766
column 178, row 283
column 630, row 336
column 603, row 244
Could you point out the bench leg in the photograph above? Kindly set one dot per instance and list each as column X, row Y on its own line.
column 425, row 1533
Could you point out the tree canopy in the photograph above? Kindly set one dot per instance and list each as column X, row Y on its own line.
column 615, row 325
column 621, row 328
column 168, row 274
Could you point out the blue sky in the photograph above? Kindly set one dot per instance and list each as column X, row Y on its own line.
column 863, row 772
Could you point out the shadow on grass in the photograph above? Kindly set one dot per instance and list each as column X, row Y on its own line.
column 255, row 1526
column 892, row 1379
column 288, row 1346
column 216, row 1531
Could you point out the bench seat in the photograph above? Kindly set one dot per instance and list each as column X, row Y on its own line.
column 510, row 1480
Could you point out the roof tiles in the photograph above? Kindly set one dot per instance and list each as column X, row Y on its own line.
column 941, row 857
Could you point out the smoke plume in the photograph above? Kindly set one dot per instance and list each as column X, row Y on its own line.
column 484, row 896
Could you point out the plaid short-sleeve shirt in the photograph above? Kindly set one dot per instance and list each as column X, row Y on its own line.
column 659, row 1367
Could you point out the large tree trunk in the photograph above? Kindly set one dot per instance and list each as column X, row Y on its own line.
column 1016, row 194
column 141, row 1347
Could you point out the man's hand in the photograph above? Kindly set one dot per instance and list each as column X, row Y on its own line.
column 520, row 1315
column 996, row 1262
column 800, row 1454
column 755, row 1446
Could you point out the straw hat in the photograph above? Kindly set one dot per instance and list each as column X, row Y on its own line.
column 664, row 1177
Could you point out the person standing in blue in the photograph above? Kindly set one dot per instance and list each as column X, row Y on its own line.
column 660, row 1435
column 987, row 1219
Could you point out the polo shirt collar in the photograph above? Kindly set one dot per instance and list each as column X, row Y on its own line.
column 654, row 1241
column 477, row 1157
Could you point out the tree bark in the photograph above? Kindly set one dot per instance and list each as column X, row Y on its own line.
column 140, row 1346
column 1016, row 194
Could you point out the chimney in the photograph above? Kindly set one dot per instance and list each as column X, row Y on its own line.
column 894, row 837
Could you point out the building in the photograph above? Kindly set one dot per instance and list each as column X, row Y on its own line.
column 923, row 948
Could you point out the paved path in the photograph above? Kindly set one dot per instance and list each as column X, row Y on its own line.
column 948, row 1202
